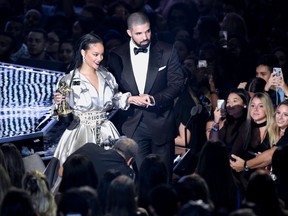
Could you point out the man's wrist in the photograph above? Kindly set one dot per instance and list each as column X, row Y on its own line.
column 245, row 166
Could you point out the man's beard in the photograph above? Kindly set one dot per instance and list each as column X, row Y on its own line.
column 142, row 45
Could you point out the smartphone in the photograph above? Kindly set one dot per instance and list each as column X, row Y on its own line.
column 277, row 71
column 223, row 35
column 202, row 63
column 221, row 103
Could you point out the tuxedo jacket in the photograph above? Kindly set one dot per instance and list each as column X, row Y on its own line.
column 104, row 160
column 165, row 81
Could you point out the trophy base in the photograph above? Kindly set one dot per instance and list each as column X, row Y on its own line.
column 66, row 118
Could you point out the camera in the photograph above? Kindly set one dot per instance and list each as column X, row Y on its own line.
column 202, row 64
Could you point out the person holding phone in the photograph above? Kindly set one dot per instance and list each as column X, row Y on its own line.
column 230, row 120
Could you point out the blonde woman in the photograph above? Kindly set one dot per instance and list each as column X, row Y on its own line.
column 280, row 133
column 262, row 132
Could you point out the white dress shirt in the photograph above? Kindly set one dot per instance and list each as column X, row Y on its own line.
column 140, row 66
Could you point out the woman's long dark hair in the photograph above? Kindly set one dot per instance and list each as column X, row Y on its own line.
column 83, row 43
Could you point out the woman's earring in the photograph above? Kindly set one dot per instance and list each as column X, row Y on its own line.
column 84, row 58
column 245, row 106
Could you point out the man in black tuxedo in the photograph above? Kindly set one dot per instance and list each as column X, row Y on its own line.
column 151, row 69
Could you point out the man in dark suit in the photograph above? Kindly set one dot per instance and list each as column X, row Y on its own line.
column 152, row 70
column 119, row 158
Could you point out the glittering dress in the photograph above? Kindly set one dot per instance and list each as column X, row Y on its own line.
column 90, row 108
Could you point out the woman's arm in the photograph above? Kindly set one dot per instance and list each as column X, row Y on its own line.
column 260, row 161
column 180, row 139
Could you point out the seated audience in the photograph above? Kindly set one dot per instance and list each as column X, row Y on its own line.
column 121, row 198
column 213, row 167
column 35, row 183
column 163, row 201
column 77, row 171
column 14, row 163
column 193, row 187
column 280, row 170
column 261, row 190
column 17, row 202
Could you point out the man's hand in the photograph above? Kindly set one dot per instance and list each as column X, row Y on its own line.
column 237, row 163
column 141, row 100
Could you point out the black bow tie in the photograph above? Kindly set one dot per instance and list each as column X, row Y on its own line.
column 137, row 50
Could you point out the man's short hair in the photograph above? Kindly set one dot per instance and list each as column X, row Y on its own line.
column 128, row 147
column 137, row 18
column 268, row 60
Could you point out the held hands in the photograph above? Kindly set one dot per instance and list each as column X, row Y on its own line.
column 141, row 100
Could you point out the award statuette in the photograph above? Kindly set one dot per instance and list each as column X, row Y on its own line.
column 64, row 110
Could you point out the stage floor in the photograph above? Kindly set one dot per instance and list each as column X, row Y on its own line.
column 26, row 98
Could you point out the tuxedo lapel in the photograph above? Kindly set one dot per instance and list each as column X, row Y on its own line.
column 153, row 66
column 127, row 74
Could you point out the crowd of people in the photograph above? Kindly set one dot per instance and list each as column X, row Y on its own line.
column 161, row 67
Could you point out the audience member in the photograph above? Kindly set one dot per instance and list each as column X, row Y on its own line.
column 17, row 202
column 213, row 166
column 14, row 163
column 32, row 20
column 193, row 187
column 7, row 42
column 121, row 198
column 104, row 185
column 77, row 170
column 91, row 195
column 255, row 85
column 261, row 190
column 279, row 169
column 163, row 201
column 206, row 30
column 230, row 122
column 35, row 183
column 66, row 53
column 152, row 172
column 281, row 53
column 36, row 44
column 73, row 202
column 264, row 70
column 243, row 212
column 15, row 26
column 195, row 208
column 5, row 183
column 234, row 24
column 181, row 15
column 2, row 160
column 53, row 42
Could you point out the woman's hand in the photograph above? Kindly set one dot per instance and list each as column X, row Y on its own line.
column 217, row 115
column 58, row 97
column 237, row 163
